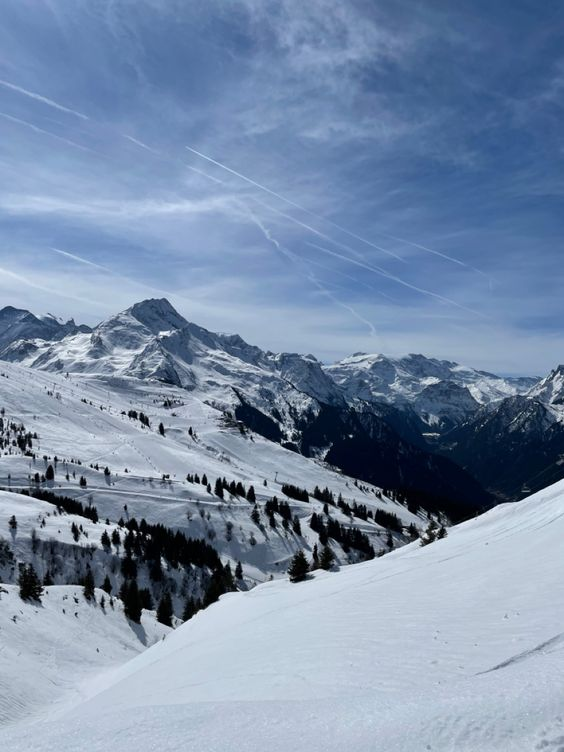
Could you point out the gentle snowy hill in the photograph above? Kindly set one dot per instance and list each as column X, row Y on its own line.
column 454, row 647
column 50, row 651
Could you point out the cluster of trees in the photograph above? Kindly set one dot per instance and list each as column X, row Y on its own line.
column 300, row 567
column 432, row 533
column 138, row 415
column 235, row 489
column 65, row 504
column 29, row 583
column 294, row 492
column 274, row 506
column 347, row 537
column 15, row 435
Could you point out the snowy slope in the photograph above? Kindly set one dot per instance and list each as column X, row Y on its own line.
column 51, row 652
column 81, row 418
column 455, row 647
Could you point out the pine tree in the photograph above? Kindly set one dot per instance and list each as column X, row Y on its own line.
column 239, row 571
column 107, row 585
column 299, row 567
column 50, row 473
column 218, row 489
column 296, row 526
column 48, row 579
column 105, row 540
column 327, row 558
column 315, row 558
column 251, row 496
column 88, row 589
column 190, row 608
column 161, row 429
column 164, row 610
column 129, row 594
column 31, row 588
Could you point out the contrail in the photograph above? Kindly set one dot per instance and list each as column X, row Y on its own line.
column 141, row 144
column 44, row 100
column 445, row 256
column 349, row 308
column 362, row 263
column 309, row 275
column 205, row 174
column 81, row 260
column 293, row 203
column 387, row 275
column 435, row 253
column 30, row 283
column 45, row 133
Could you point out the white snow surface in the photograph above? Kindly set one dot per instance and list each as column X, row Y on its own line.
column 454, row 647
column 54, row 652
column 67, row 416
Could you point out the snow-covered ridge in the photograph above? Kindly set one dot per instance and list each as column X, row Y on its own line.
column 408, row 652
column 152, row 340
column 441, row 392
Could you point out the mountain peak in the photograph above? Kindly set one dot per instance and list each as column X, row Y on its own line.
column 157, row 314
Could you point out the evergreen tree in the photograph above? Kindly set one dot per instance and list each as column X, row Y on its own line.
column 105, row 540
column 88, row 589
column 146, row 599
column 107, row 585
column 299, row 567
column 218, row 489
column 164, row 610
column 161, row 429
column 430, row 533
column 129, row 594
column 50, row 473
column 190, row 608
column 255, row 515
column 327, row 558
column 251, row 496
column 296, row 526
column 239, row 571
column 48, row 579
column 315, row 558
column 30, row 586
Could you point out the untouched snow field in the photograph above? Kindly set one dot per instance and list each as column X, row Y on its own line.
column 454, row 647
column 51, row 650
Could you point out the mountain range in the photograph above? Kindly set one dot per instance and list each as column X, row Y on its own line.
column 432, row 427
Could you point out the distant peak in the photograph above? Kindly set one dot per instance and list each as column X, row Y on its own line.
column 157, row 314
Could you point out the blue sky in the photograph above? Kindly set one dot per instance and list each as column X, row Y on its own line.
column 374, row 176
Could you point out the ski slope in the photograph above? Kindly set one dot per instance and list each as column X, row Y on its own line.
column 454, row 647
column 81, row 417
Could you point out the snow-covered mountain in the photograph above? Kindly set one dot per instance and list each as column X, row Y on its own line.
column 151, row 340
column 18, row 325
column 441, row 393
column 454, row 646
column 288, row 398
